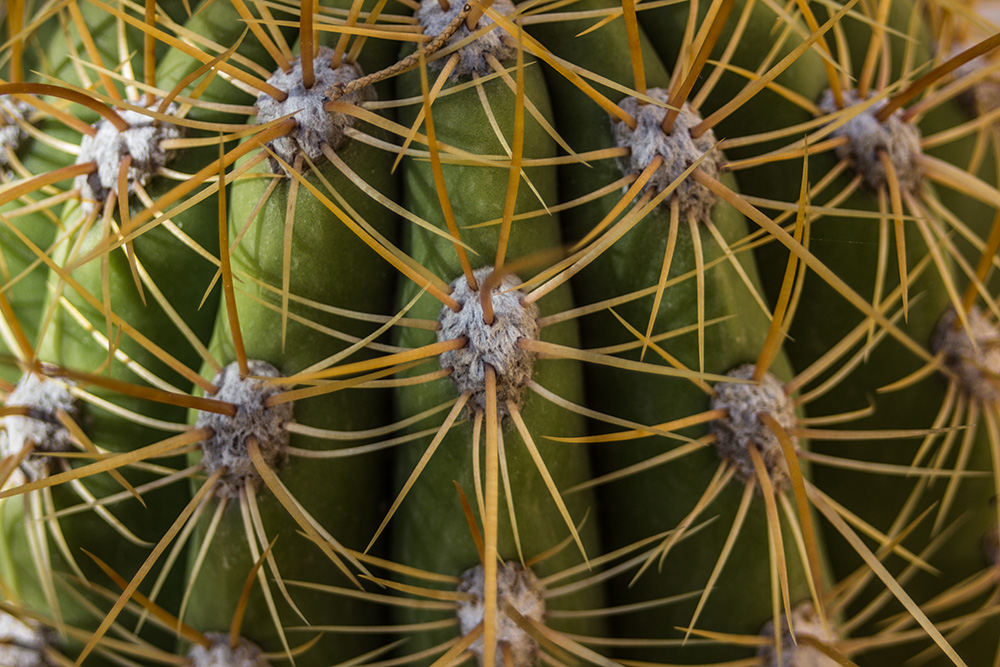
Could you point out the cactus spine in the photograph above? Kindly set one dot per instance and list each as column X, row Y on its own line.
column 395, row 333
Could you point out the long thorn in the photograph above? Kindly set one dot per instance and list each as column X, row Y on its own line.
column 942, row 70
column 679, row 96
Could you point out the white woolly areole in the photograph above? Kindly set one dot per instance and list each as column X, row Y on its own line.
column 220, row 654
column 314, row 125
column 678, row 149
column 516, row 586
column 494, row 344
column 44, row 397
column 472, row 56
column 143, row 140
column 868, row 137
column 11, row 134
column 228, row 444
column 971, row 352
column 742, row 427
column 805, row 623
column 22, row 644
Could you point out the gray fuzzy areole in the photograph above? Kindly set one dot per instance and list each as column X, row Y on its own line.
column 22, row 643
column 494, row 344
column 220, row 654
column 228, row 446
column 11, row 133
column 517, row 586
column 45, row 397
column 868, row 137
column 972, row 354
column 805, row 623
column 678, row 149
column 143, row 140
column 315, row 126
column 734, row 433
column 472, row 56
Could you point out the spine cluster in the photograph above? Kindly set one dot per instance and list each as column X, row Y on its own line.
column 400, row 333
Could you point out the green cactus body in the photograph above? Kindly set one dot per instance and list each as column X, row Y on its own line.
column 764, row 40
column 668, row 492
column 850, row 247
column 67, row 343
column 320, row 285
column 76, row 338
column 439, row 541
column 24, row 274
column 332, row 268
column 38, row 157
column 913, row 55
column 221, row 23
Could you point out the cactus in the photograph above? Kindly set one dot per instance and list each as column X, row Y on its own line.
column 389, row 333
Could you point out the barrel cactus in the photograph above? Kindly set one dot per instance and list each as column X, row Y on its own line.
column 390, row 333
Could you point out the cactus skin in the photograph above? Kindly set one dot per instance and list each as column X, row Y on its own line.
column 633, row 263
column 849, row 247
column 316, row 248
column 429, row 531
column 66, row 343
column 443, row 544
